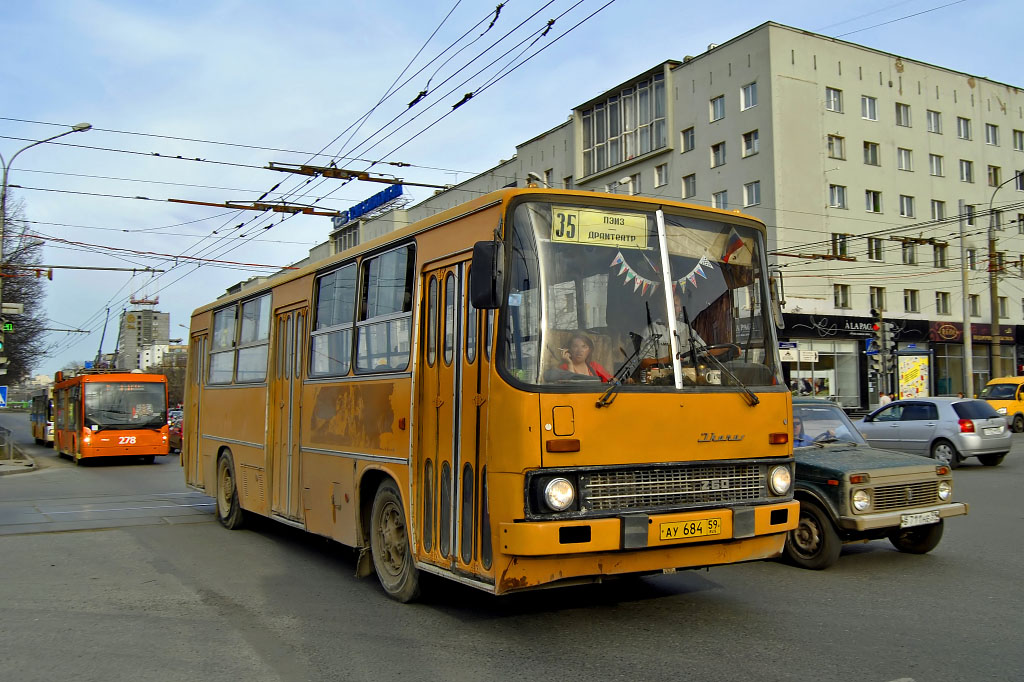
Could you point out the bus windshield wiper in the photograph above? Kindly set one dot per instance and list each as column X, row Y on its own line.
column 628, row 367
column 748, row 395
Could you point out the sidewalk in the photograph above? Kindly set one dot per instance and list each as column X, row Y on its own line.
column 19, row 463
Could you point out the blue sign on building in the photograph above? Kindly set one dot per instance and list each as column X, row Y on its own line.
column 376, row 201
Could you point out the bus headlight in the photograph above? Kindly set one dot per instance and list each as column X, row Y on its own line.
column 945, row 490
column 559, row 494
column 779, row 480
column 861, row 500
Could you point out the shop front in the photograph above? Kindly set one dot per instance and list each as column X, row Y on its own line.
column 947, row 339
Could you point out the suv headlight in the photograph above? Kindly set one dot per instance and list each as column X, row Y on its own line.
column 861, row 500
column 945, row 490
column 559, row 494
column 779, row 479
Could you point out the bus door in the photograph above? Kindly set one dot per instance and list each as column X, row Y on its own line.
column 191, row 445
column 285, row 390
column 440, row 414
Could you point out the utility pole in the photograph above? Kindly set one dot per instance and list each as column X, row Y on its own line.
column 993, row 284
column 965, row 295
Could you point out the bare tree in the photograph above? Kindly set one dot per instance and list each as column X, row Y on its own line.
column 23, row 347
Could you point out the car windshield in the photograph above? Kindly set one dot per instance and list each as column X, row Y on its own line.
column 814, row 424
column 999, row 392
column 975, row 409
column 588, row 301
column 125, row 405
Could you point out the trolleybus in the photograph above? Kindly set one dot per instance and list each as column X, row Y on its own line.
column 42, row 417
column 110, row 414
column 538, row 387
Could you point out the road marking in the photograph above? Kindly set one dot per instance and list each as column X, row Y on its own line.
column 165, row 506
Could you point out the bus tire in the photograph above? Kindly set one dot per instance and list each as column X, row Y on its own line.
column 229, row 510
column 148, row 459
column 389, row 545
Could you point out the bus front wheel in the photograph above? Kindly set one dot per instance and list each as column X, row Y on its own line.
column 389, row 545
column 229, row 510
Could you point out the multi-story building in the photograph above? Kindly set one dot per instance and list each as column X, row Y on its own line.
column 144, row 335
column 861, row 163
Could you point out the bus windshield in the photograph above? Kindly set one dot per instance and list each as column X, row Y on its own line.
column 587, row 300
column 125, row 405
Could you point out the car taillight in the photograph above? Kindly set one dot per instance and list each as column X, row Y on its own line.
column 966, row 426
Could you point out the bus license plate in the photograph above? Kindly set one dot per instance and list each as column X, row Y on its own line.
column 678, row 530
column 921, row 519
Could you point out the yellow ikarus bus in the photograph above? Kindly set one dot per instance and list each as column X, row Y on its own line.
column 536, row 387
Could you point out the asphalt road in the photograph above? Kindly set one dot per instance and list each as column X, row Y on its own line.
column 119, row 572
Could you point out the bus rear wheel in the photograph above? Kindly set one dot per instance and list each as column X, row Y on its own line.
column 389, row 545
column 229, row 510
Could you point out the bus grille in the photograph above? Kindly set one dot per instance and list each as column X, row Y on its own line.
column 672, row 486
column 905, row 495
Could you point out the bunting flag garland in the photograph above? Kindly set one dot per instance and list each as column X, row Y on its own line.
column 642, row 284
column 704, row 263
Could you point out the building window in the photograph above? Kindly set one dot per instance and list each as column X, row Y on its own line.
column 972, row 259
column 689, row 186
column 904, row 159
column 935, row 165
column 841, row 295
column 876, row 296
column 969, row 213
column 909, row 251
column 942, row 302
column 1020, row 225
column 974, row 304
column 938, row 209
column 840, row 244
column 1019, row 180
column 748, row 96
column 661, row 175
column 346, row 237
column 836, row 147
column 717, row 108
column 626, row 125
column 997, row 218
column 720, row 199
column 906, row 206
column 687, row 140
column 567, row 182
column 717, row 154
column 868, row 108
column 750, row 143
column 1004, row 307
column 873, row 201
column 874, row 248
column 834, row 100
column 910, row 301
column 837, row 196
column 939, row 256
column 994, row 176
column 963, row 128
column 752, row 193
column 992, row 134
column 1018, row 140
column 871, row 153
column 934, row 122
column 903, row 115
column 966, row 170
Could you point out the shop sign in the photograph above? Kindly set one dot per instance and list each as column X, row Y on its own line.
column 953, row 332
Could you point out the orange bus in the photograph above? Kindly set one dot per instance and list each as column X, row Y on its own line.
column 537, row 387
column 42, row 417
column 110, row 414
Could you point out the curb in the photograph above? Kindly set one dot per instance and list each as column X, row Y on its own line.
column 19, row 464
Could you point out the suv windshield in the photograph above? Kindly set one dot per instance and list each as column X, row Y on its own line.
column 589, row 300
column 822, row 424
column 999, row 392
column 125, row 405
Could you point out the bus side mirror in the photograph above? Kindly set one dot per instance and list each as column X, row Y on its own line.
column 487, row 276
column 778, row 296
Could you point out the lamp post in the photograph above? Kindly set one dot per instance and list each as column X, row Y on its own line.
column 993, row 283
column 79, row 128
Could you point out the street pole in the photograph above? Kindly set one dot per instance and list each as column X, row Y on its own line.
column 965, row 291
column 993, row 284
column 79, row 128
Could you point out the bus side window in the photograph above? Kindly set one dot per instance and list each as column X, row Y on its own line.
column 384, row 329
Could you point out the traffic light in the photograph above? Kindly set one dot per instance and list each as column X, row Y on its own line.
column 875, row 341
column 890, row 362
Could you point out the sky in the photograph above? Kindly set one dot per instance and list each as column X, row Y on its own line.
column 232, row 85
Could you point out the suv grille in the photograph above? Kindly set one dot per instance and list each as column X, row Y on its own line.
column 906, row 495
column 673, row 486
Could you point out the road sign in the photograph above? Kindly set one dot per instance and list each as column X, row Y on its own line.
column 12, row 308
column 789, row 354
column 787, row 344
column 870, row 347
column 3, row 396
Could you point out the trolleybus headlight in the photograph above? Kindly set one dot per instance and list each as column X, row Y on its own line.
column 861, row 500
column 559, row 494
column 780, row 479
column 945, row 490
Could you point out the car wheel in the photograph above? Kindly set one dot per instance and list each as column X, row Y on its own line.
column 919, row 540
column 991, row 460
column 389, row 545
column 944, row 452
column 1018, row 424
column 229, row 510
column 814, row 543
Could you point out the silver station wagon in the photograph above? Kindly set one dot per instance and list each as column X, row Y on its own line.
column 945, row 429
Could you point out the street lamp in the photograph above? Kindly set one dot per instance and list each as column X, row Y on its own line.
column 79, row 128
column 993, row 282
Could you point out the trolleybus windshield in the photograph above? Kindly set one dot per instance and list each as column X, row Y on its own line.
column 125, row 405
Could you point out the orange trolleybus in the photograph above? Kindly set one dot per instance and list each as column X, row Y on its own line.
column 110, row 414
column 537, row 387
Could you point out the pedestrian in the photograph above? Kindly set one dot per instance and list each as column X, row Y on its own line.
column 960, row 394
column 883, row 399
column 892, row 396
